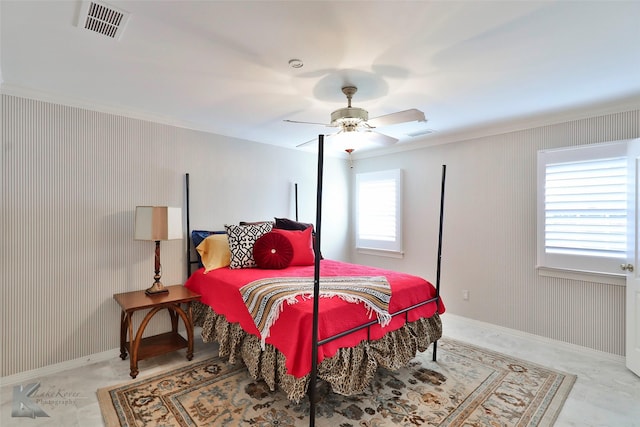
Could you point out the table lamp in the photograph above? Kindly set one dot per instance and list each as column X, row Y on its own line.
column 157, row 223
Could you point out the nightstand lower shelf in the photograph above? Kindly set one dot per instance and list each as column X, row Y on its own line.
column 159, row 344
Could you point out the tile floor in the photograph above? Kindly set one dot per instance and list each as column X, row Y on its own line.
column 605, row 394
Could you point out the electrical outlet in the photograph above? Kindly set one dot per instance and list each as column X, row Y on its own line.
column 465, row 295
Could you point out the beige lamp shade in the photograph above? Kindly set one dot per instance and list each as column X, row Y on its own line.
column 158, row 223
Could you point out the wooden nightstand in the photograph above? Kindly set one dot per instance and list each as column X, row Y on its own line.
column 144, row 348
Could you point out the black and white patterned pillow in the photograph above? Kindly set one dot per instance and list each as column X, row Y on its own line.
column 241, row 241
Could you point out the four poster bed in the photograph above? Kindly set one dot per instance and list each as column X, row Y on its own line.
column 292, row 317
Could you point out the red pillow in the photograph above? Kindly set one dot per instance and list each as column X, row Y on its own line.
column 302, row 242
column 289, row 224
column 272, row 251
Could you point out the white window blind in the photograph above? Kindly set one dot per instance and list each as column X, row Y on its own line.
column 378, row 220
column 583, row 208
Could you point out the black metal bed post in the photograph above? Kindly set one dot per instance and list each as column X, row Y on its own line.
column 444, row 175
column 296, row 198
column 316, row 289
column 188, row 227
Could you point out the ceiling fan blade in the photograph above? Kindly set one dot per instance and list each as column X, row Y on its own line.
column 411, row 115
column 380, row 139
column 315, row 140
column 308, row 143
column 309, row 123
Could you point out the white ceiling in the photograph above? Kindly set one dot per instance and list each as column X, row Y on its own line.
column 222, row 66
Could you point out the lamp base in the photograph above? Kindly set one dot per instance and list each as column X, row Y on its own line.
column 156, row 288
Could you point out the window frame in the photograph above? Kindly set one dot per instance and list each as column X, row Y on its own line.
column 392, row 248
column 589, row 268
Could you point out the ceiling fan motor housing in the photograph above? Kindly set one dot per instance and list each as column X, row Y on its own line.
column 349, row 118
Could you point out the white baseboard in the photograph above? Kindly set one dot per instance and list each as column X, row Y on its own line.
column 26, row 376
column 537, row 338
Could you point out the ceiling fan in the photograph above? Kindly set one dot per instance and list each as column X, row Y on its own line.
column 354, row 119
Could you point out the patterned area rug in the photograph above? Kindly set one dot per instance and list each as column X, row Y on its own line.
column 467, row 386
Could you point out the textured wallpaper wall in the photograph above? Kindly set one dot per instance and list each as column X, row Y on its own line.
column 489, row 243
column 71, row 179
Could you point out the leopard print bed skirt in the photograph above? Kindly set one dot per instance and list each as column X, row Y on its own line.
column 348, row 372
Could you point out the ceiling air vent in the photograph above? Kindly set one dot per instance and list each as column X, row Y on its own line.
column 103, row 19
column 420, row 132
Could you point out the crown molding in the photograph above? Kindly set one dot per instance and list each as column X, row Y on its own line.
column 119, row 110
column 612, row 106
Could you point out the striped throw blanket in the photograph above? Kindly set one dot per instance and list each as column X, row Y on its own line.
column 265, row 298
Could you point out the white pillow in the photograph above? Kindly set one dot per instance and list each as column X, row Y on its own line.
column 241, row 241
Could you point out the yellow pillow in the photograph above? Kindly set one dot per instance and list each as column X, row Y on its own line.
column 215, row 252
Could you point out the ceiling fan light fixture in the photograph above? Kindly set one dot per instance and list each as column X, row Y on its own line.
column 356, row 141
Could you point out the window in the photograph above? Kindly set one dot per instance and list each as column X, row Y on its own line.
column 582, row 208
column 378, row 216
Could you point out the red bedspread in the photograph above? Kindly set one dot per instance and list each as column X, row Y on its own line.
column 291, row 333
